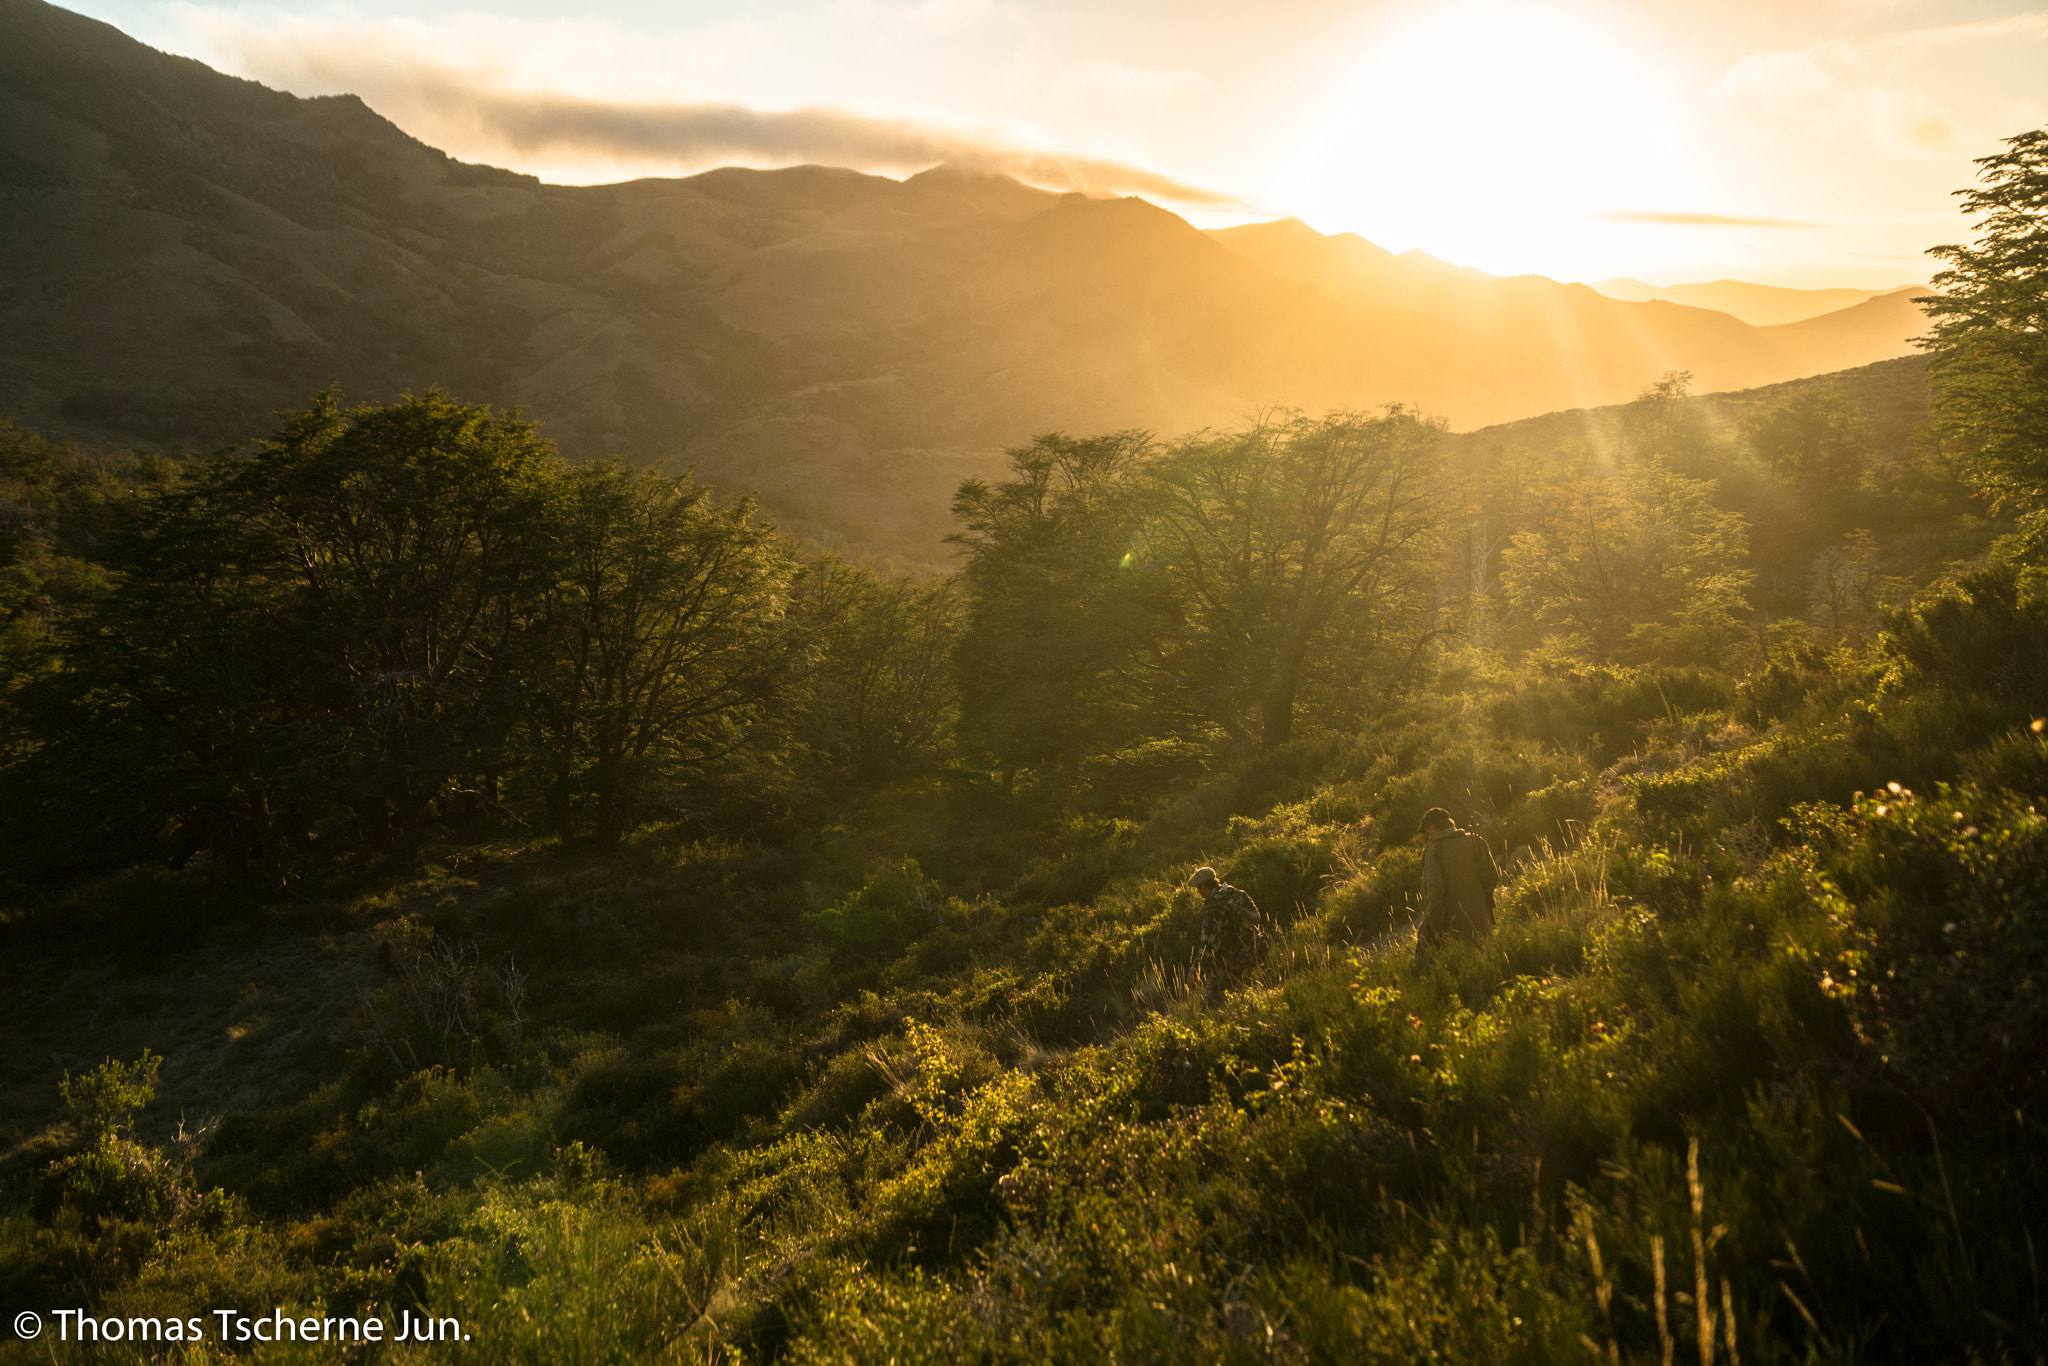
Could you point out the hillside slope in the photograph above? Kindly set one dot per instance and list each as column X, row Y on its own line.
column 932, row 1070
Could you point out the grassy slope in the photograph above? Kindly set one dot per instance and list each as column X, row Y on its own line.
column 1022, row 1130
column 977, row 1109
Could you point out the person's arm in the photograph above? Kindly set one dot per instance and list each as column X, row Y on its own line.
column 1489, row 872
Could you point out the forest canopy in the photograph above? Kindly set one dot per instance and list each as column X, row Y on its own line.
column 411, row 615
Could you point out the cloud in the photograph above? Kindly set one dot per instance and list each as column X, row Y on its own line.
column 584, row 54
column 1114, row 80
column 951, row 16
column 1696, row 220
column 2032, row 26
column 1882, row 90
column 507, row 104
column 1844, row 89
column 712, row 134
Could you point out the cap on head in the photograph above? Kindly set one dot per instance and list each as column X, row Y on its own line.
column 1436, row 818
column 1204, row 877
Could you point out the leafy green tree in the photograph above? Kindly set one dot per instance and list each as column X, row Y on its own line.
column 1056, row 605
column 181, row 714
column 1121, row 593
column 1663, row 421
column 1633, row 563
column 882, row 690
column 321, row 626
column 1286, row 548
column 405, row 538
column 1816, row 437
column 1989, row 332
column 104, row 1101
column 1850, row 592
column 659, row 639
column 391, row 615
column 59, row 508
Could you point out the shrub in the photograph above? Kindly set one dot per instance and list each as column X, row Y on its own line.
column 889, row 907
column 105, row 1100
column 115, row 1179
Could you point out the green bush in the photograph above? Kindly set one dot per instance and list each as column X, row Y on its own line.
column 117, row 1180
column 888, row 908
column 105, row 1100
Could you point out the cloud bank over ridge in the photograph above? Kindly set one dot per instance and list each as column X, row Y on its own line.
column 490, row 109
column 719, row 134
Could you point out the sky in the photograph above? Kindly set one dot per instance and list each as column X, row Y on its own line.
column 1789, row 143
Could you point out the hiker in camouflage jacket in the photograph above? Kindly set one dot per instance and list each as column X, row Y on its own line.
column 1232, row 928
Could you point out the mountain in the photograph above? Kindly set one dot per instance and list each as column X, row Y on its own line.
column 1573, row 345
column 183, row 253
column 1757, row 305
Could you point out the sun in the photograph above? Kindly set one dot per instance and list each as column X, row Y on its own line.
column 1491, row 134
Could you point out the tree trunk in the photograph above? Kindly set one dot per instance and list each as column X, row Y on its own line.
column 561, row 805
column 373, row 825
column 607, row 814
column 611, row 825
column 1276, row 708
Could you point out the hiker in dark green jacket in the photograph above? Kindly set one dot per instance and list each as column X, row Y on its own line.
column 1458, row 878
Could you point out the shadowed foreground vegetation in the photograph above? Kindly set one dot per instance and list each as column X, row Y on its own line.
column 844, row 1012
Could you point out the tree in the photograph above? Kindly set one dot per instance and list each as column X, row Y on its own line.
column 1849, row 591
column 659, row 639
column 103, row 1102
column 1120, row 593
column 201, row 698
column 1816, row 437
column 406, row 537
column 323, row 626
column 881, row 679
column 59, row 508
column 1056, row 605
column 1286, row 547
column 1665, row 423
column 1637, row 562
column 182, row 712
column 1989, row 332
column 388, row 616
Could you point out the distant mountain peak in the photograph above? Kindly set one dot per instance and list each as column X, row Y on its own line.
column 960, row 173
column 1282, row 227
column 1758, row 305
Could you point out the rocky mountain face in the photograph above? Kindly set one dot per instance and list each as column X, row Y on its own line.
column 183, row 253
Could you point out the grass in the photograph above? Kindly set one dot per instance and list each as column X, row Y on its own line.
column 1745, row 1073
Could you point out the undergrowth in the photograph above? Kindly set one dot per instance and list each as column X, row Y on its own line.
column 1747, row 1073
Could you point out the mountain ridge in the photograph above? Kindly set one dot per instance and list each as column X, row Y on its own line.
column 185, row 253
column 1755, row 304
